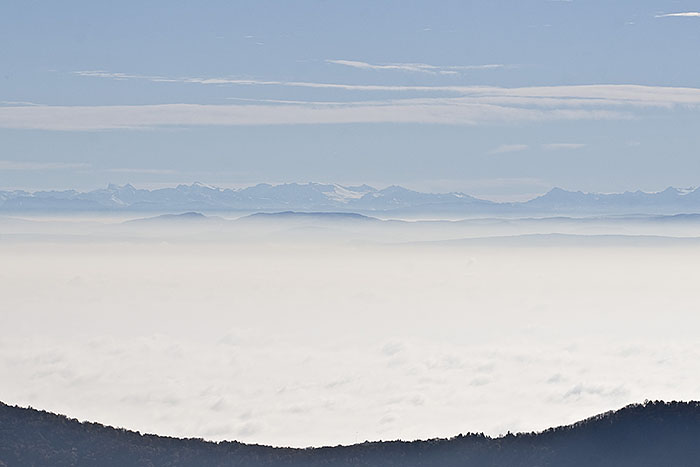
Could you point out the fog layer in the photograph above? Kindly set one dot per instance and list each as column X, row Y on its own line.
column 314, row 334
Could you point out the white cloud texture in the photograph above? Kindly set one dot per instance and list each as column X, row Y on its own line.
column 450, row 112
column 625, row 94
column 687, row 14
column 470, row 106
column 415, row 67
column 341, row 344
column 563, row 146
column 506, row 148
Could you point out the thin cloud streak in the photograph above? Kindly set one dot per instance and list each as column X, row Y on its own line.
column 687, row 14
column 611, row 94
column 565, row 146
column 254, row 82
column 414, row 67
column 82, row 118
column 471, row 105
column 285, row 101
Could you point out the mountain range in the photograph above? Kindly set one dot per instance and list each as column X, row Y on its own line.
column 361, row 199
column 639, row 435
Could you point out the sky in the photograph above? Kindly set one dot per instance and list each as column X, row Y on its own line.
column 500, row 99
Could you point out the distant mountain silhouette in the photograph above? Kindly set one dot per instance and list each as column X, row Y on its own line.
column 669, row 201
column 338, row 198
column 316, row 216
column 641, row 435
column 184, row 217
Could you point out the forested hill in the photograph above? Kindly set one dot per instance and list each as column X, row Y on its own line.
column 651, row 434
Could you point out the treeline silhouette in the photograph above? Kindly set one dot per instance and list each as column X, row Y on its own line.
column 649, row 434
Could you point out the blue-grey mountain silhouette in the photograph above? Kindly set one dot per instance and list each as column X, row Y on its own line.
column 338, row 198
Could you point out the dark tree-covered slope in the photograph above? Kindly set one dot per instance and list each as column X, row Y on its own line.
column 650, row 434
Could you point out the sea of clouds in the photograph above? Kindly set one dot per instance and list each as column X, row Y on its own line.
column 311, row 342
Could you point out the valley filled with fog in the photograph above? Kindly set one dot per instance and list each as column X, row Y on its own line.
column 299, row 329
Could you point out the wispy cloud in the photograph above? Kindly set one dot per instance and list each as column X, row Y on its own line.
column 285, row 101
column 250, row 82
column 112, row 75
column 22, row 165
column 563, row 146
column 82, row 118
column 453, row 105
column 686, row 14
column 571, row 96
column 407, row 67
column 414, row 67
column 506, row 148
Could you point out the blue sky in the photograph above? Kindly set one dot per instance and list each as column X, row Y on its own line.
column 502, row 99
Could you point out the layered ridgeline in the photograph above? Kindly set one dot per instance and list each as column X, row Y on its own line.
column 325, row 197
column 649, row 434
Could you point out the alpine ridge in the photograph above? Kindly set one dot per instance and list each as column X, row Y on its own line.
column 333, row 197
